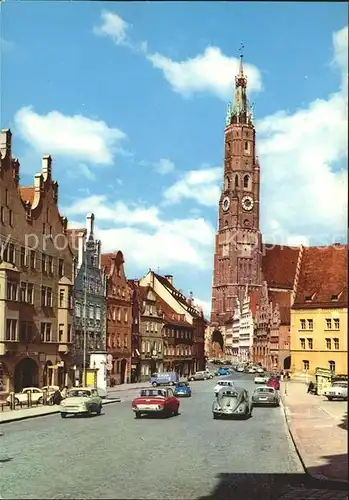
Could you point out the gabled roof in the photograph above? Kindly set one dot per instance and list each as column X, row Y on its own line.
column 72, row 234
column 255, row 296
column 279, row 265
column 177, row 295
column 108, row 258
column 283, row 299
column 170, row 315
column 323, row 278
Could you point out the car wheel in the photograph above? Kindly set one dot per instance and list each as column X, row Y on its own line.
column 192, row 379
column 99, row 410
column 63, row 415
column 137, row 414
column 176, row 412
column 89, row 412
column 154, row 384
column 16, row 401
column 40, row 401
column 215, row 416
column 329, row 398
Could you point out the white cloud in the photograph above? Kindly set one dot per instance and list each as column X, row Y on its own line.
column 112, row 26
column 81, row 170
column 146, row 239
column 74, row 136
column 164, row 166
column 302, row 192
column 205, row 305
column 210, row 71
column 200, row 185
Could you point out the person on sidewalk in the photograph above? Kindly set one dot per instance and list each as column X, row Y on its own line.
column 64, row 392
column 311, row 388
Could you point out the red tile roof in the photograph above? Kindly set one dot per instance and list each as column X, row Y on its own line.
column 107, row 258
column 170, row 315
column 323, row 278
column 255, row 296
column 279, row 265
column 27, row 193
column 177, row 295
column 283, row 299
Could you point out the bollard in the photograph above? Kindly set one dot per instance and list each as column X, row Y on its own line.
column 12, row 401
column 29, row 398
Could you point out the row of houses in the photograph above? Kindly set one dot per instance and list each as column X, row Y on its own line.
column 65, row 307
column 297, row 319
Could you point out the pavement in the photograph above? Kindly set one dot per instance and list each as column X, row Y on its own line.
column 189, row 457
column 319, row 430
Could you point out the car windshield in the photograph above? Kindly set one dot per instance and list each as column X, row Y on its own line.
column 340, row 384
column 265, row 390
column 182, row 384
column 153, row 393
column 229, row 394
column 225, row 383
column 79, row 393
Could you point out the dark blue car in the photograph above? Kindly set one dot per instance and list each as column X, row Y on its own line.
column 221, row 372
column 182, row 390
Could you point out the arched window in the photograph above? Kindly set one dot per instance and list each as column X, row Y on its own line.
column 246, row 181
column 226, row 183
column 236, row 181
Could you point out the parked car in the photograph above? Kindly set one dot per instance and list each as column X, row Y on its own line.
column 240, row 369
column 155, row 401
column 251, row 369
column 210, row 374
column 221, row 372
column 260, row 370
column 265, row 396
column 81, row 400
column 260, row 379
column 338, row 390
column 233, row 402
column 37, row 396
column 223, row 383
column 274, row 382
column 182, row 389
column 50, row 390
column 165, row 378
column 203, row 375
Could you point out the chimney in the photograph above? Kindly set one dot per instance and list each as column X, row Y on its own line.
column 5, row 142
column 90, row 222
column 46, row 167
column 169, row 278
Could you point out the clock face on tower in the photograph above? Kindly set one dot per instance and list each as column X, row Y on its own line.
column 226, row 203
column 247, row 203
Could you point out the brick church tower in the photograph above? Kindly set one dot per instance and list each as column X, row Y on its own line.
column 238, row 258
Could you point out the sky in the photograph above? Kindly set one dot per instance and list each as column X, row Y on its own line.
column 130, row 100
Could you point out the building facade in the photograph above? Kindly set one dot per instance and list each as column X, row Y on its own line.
column 136, row 305
column 237, row 255
column 319, row 315
column 119, row 319
column 246, row 327
column 90, row 303
column 36, row 279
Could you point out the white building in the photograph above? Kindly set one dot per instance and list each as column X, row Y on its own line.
column 236, row 332
column 246, row 329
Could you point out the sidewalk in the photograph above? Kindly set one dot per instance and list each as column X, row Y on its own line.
column 40, row 411
column 316, row 427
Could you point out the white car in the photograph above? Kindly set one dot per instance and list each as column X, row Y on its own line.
column 338, row 390
column 251, row 370
column 260, row 379
column 223, row 383
column 240, row 369
column 260, row 370
column 22, row 397
column 81, row 400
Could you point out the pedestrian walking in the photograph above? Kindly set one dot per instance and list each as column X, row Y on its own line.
column 64, row 392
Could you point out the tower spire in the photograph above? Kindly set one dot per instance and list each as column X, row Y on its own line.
column 239, row 112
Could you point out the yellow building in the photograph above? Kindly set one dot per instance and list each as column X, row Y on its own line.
column 319, row 315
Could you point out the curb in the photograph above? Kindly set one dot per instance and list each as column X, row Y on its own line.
column 27, row 417
column 318, row 477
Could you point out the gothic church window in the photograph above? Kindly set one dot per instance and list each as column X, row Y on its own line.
column 226, row 183
column 246, row 181
column 236, row 181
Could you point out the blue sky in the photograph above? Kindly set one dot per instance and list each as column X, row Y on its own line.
column 130, row 100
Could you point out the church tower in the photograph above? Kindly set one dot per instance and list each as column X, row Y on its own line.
column 237, row 259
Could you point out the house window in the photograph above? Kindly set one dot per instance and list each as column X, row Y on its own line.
column 30, row 293
column 303, row 324
column 8, row 254
column 10, row 217
column 44, row 263
column 236, row 181
column 125, row 315
column 328, row 344
column 302, row 341
column 69, row 334
column 60, row 332
column 310, row 343
column 77, row 309
column 50, row 264
column 46, row 296
column 23, row 257
column 246, row 181
column 98, row 313
column 305, row 365
column 336, row 344
column 60, row 268
column 11, row 330
column 336, row 323
column 23, row 291
column 328, row 324
column 143, row 347
column 11, row 290
column 32, row 259
column 61, row 297
column 91, row 312
column 332, row 366
column 119, row 314
column 45, row 332
column 310, row 324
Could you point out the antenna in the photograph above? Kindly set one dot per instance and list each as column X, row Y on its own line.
column 241, row 50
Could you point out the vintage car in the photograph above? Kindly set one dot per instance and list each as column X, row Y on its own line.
column 81, row 400
column 260, row 369
column 182, row 390
column 338, row 390
column 223, row 383
column 233, row 402
column 156, row 402
column 240, row 369
column 221, row 372
column 274, row 382
column 209, row 373
column 37, row 396
column 265, row 395
column 261, row 379
column 199, row 376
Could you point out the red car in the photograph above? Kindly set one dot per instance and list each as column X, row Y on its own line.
column 156, row 402
column 273, row 382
